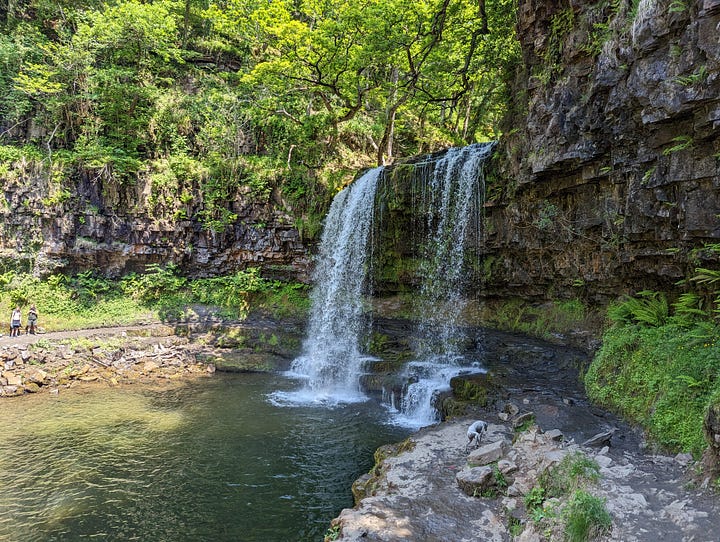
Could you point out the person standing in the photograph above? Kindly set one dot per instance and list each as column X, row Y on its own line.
column 32, row 319
column 15, row 321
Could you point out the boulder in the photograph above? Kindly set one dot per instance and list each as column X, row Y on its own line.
column 474, row 480
column 13, row 379
column 601, row 439
column 488, row 453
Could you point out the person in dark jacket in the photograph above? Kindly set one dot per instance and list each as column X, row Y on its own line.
column 32, row 319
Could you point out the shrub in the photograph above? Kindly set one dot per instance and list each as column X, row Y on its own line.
column 660, row 377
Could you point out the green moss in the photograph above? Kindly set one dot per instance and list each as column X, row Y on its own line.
column 472, row 388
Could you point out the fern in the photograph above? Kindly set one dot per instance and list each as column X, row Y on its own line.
column 681, row 143
column 706, row 276
column 648, row 309
column 688, row 309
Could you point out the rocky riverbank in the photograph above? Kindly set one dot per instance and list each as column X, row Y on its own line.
column 131, row 355
column 430, row 488
column 140, row 354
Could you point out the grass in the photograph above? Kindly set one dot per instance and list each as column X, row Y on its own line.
column 543, row 321
column 585, row 517
column 89, row 301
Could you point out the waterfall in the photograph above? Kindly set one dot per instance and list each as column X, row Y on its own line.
column 452, row 199
column 331, row 361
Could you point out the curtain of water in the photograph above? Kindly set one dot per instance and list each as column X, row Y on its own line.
column 452, row 199
column 331, row 359
column 454, row 188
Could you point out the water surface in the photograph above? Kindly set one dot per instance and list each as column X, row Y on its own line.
column 211, row 461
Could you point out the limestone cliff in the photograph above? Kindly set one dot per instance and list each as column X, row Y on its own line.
column 611, row 168
column 118, row 228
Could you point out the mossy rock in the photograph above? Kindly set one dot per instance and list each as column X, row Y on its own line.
column 477, row 388
column 250, row 362
column 452, row 408
column 361, row 486
column 711, row 429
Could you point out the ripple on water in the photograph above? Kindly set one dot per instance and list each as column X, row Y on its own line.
column 216, row 462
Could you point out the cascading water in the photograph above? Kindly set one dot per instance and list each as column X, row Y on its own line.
column 452, row 198
column 331, row 361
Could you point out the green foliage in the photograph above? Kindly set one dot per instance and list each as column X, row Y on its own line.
column 680, row 144
column 586, row 517
column 697, row 77
column 297, row 89
column 660, row 377
column 534, row 498
column 547, row 215
column 561, row 24
column 575, row 471
column 90, row 300
column 649, row 308
column 678, row 6
column 559, row 316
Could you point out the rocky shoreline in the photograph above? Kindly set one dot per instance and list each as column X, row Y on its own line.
column 429, row 488
column 147, row 353
column 136, row 354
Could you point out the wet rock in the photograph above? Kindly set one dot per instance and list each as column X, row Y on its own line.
column 601, row 439
column 473, row 388
column 711, row 429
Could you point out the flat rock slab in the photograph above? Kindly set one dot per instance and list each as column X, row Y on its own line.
column 423, row 492
column 489, row 453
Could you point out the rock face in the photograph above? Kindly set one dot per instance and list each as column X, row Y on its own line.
column 122, row 228
column 612, row 172
column 608, row 178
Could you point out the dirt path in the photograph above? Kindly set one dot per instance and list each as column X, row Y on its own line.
column 26, row 339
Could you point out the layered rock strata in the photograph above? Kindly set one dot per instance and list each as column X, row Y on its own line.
column 120, row 228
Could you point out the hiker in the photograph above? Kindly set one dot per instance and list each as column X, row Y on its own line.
column 15, row 321
column 32, row 319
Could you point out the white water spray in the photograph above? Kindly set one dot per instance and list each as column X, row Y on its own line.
column 452, row 200
column 331, row 361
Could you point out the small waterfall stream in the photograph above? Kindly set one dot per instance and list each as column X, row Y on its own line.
column 331, row 362
column 452, row 201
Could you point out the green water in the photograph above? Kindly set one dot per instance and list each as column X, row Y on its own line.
column 211, row 461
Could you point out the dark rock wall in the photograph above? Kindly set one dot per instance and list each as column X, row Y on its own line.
column 110, row 227
column 610, row 177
